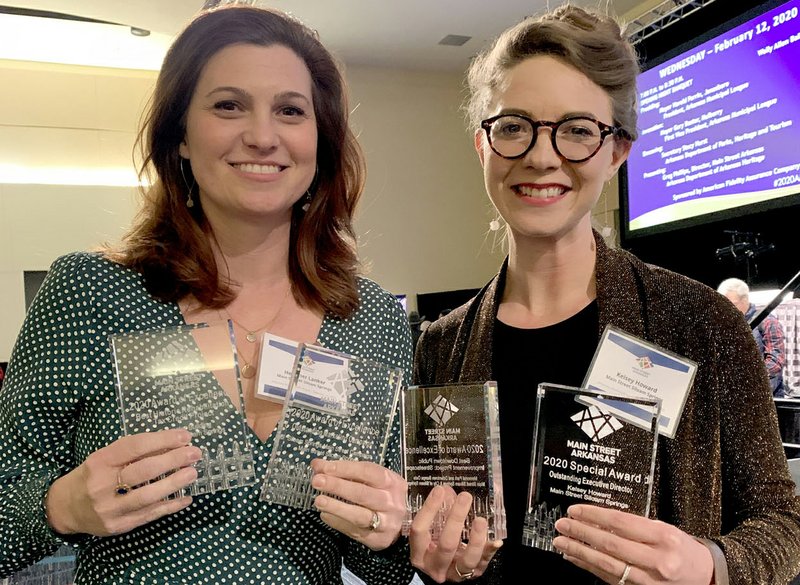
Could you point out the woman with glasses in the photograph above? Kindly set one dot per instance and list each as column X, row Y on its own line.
column 553, row 105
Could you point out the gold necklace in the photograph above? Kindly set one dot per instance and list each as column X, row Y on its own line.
column 248, row 369
column 252, row 334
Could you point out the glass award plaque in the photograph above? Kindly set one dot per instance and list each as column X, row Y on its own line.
column 188, row 377
column 451, row 436
column 337, row 406
column 588, row 448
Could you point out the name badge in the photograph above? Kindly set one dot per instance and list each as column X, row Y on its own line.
column 624, row 365
column 324, row 382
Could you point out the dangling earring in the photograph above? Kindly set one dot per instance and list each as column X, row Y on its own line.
column 307, row 197
column 496, row 230
column 189, row 200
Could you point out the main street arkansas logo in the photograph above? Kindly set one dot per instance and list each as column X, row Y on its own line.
column 441, row 410
column 596, row 423
column 644, row 362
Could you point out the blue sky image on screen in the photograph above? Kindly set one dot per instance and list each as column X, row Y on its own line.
column 719, row 123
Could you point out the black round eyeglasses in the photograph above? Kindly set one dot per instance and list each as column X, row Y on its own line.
column 576, row 139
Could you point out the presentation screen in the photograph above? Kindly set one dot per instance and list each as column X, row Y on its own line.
column 719, row 127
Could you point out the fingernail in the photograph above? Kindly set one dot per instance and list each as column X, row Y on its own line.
column 319, row 481
column 559, row 542
column 563, row 525
column 465, row 497
column 185, row 437
column 316, row 465
column 195, row 454
column 321, row 501
column 574, row 512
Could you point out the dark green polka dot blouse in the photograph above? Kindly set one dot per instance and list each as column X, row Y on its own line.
column 58, row 405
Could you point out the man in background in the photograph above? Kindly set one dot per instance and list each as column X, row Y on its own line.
column 768, row 335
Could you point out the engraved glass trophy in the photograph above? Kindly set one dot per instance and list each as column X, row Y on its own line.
column 589, row 448
column 337, row 406
column 188, row 377
column 451, row 436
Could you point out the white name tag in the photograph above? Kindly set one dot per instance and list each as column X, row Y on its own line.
column 275, row 366
column 625, row 365
column 324, row 383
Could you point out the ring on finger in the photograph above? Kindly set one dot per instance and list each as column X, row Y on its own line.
column 375, row 523
column 121, row 488
column 466, row 575
column 625, row 573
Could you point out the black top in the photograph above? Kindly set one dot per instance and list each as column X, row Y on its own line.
column 523, row 358
column 713, row 478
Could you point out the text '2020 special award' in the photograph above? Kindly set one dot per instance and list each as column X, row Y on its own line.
column 588, row 448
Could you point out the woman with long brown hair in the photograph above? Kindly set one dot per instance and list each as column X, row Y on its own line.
column 255, row 178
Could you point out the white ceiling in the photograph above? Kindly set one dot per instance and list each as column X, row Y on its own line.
column 382, row 33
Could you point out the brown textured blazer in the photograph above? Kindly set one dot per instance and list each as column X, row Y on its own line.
column 724, row 477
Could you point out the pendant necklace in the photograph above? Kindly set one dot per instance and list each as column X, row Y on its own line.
column 248, row 369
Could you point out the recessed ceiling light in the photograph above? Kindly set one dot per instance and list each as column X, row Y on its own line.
column 454, row 40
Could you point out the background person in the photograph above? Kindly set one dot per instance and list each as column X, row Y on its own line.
column 553, row 108
column 256, row 179
column 768, row 335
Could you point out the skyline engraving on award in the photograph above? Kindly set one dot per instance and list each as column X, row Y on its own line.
column 451, row 436
column 589, row 448
column 337, row 406
column 188, row 377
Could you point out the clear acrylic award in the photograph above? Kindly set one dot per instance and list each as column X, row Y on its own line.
column 588, row 448
column 337, row 406
column 188, row 377
column 451, row 436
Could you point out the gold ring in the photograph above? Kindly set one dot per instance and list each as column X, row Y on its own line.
column 375, row 523
column 625, row 574
column 464, row 576
column 122, row 488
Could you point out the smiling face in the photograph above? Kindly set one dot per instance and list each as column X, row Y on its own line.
column 541, row 195
column 251, row 133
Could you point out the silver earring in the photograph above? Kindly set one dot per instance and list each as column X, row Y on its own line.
column 189, row 200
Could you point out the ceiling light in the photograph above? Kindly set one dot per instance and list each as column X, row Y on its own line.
column 105, row 176
column 72, row 42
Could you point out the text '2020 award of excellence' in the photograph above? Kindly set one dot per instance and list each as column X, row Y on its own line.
column 451, row 436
